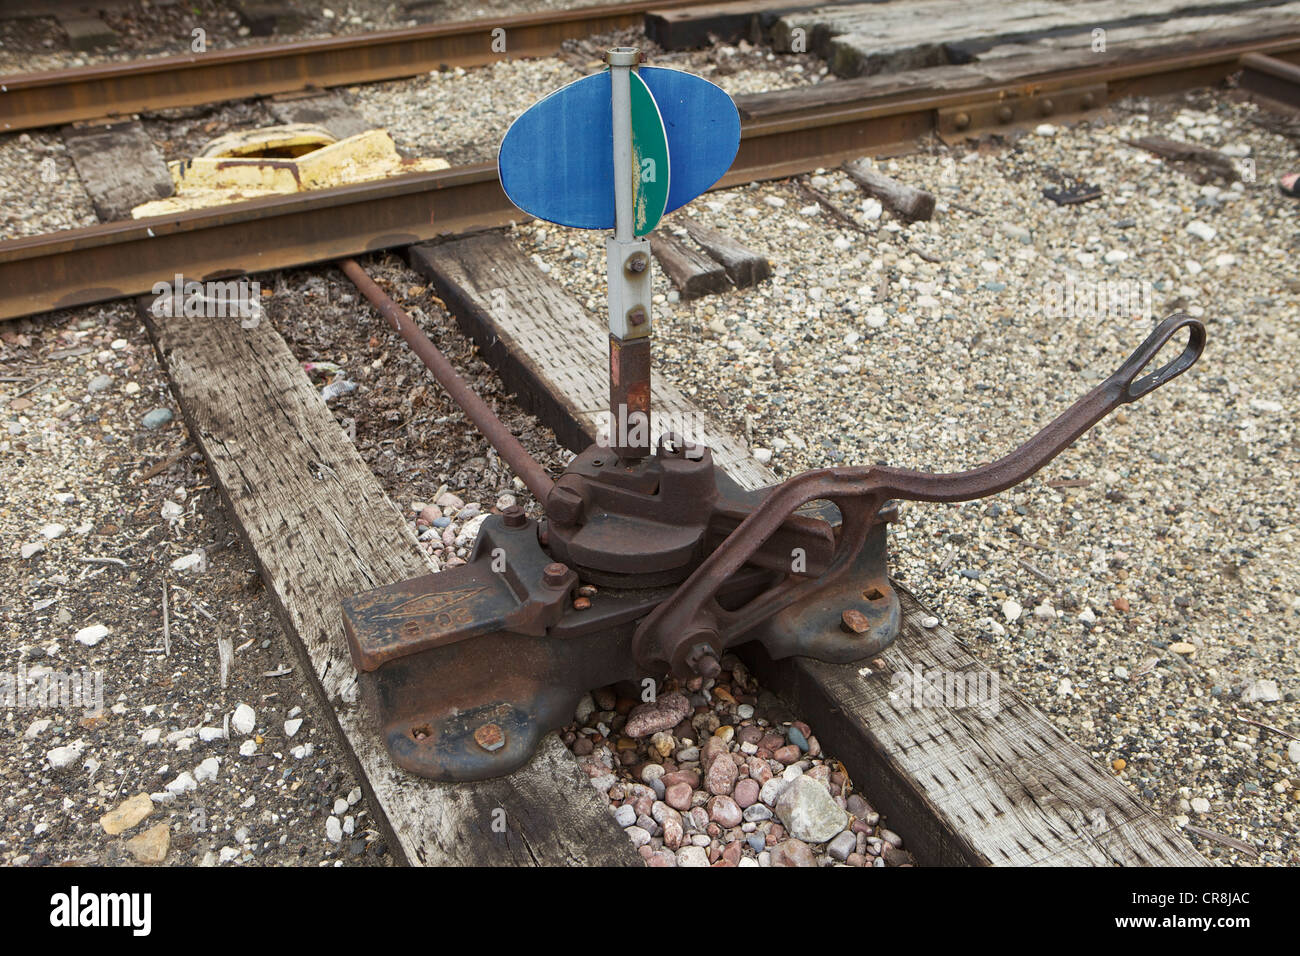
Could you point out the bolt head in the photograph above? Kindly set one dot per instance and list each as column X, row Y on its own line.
column 854, row 621
column 490, row 737
column 636, row 315
column 555, row 573
column 514, row 517
column 704, row 661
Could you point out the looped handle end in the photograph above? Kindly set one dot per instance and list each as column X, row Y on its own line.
column 1126, row 374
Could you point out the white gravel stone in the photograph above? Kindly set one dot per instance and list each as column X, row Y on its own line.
column 692, row 856
column 61, row 758
column 92, row 635
column 243, row 720
column 183, row 783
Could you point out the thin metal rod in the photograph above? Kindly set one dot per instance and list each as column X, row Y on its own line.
column 485, row 420
column 621, row 61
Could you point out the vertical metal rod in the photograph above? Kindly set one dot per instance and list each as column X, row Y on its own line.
column 621, row 62
column 629, row 280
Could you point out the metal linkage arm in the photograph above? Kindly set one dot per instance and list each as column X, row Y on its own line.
column 684, row 631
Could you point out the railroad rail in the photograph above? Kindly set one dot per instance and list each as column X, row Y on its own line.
column 784, row 133
column 34, row 100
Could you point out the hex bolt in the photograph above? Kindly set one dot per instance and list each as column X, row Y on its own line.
column 1006, row 114
column 637, row 263
column 703, row 660
column 1046, row 107
column 490, row 737
column 555, row 573
column 854, row 621
column 514, row 517
column 961, row 120
column 636, row 315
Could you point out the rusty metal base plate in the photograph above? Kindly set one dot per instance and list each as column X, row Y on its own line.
column 459, row 695
column 856, row 617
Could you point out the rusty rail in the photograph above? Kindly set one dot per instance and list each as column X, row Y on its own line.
column 33, row 100
column 485, row 420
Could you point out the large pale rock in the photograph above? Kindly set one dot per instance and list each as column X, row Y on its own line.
column 152, row 845
column 664, row 713
column 809, row 812
column 127, row 814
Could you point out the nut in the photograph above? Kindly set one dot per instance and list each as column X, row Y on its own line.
column 490, row 737
column 555, row 573
column 703, row 660
column 854, row 621
column 514, row 517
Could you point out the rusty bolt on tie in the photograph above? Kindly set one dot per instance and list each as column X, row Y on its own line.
column 514, row 517
column 636, row 315
column 490, row 737
column 1006, row 114
column 554, row 574
column 637, row 263
column 854, row 621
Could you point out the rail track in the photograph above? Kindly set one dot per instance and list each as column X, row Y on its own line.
column 34, row 100
column 783, row 134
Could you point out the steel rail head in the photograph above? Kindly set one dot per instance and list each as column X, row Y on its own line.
column 671, row 635
column 494, row 430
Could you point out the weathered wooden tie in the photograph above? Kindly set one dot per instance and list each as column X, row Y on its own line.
column 744, row 266
column 906, row 202
column 693, row 273
column 119, row 166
